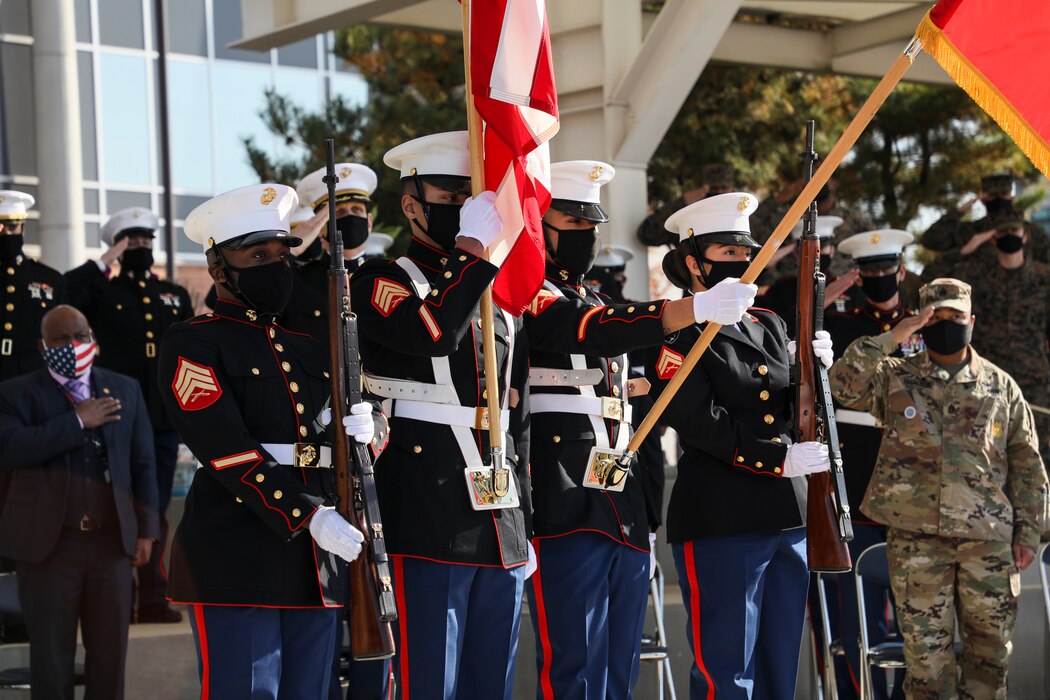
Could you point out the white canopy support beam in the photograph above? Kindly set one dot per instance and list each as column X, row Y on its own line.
column 266, row 24
column 674, row 54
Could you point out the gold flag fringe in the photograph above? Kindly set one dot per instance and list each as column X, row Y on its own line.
column 984, row 93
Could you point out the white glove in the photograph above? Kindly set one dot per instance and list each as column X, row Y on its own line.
column 359, row 424
column 478, row 219
column 531, row 565
column 822, row 348
column 806, row 458
column 652, row 555
column 725, row 303
column 333, row 534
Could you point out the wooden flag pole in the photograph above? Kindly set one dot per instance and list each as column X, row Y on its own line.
column 820, row 178
column 477, row 186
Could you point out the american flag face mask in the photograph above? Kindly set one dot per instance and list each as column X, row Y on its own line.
column 72, row 360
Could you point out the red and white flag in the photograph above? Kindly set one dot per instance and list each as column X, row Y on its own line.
column 512, row 80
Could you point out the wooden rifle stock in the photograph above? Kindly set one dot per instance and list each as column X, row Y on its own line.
column 371, row 636
column 825, row 542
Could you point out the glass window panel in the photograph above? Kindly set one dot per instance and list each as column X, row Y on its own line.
column 187, row 29
column 184, row 204
column 82, row 8
column 302, row 54
column 91, row 234
column 303, row 88
column 351, row 87
column 189, row 111
column 14, row 17
column 116, row 200
column 125, row 124
column 120, row 23
column 89, row 149
column 226, row 15
column 90, row 201
column 238, row 99
column 17, row 127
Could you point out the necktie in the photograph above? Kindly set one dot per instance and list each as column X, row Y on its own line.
column 77, row 389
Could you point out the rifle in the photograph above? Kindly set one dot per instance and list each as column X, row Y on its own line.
column 372, row 605
column 828, row 525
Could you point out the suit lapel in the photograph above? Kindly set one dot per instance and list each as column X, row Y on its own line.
column 100, row 388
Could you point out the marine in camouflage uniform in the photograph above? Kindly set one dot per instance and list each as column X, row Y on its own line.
column 951, row 232
column 1011, row 300
column 960, row 484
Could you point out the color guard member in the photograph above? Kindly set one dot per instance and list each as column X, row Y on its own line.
column 259, row 551
column 735, row 519
column 593, row 543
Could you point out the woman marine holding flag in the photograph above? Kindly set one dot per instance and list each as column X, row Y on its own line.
column 734, row 520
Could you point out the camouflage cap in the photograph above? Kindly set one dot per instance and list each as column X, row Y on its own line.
column 998, row 183
column 945, row 293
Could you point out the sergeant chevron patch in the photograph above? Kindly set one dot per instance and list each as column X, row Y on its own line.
column 668, row 363
column 386, row 295
column 195, row 386
column 544, row 299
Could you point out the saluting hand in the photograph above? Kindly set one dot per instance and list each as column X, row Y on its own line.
column 115, row 251
column 903, row 330
column 978, row 240
column 96, row 412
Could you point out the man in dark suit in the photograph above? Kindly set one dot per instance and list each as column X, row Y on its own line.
column 82, row 506
column 129, row 312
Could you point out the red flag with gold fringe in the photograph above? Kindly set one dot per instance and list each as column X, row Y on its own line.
column 996, row 51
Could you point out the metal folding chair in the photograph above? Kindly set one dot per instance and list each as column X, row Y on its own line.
column 872, row 566
column 654, row 646
column 1044, row 578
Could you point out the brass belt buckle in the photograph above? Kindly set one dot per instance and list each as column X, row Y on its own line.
column 612, row 408
column 87, row 524
column 151, row 349
column 6, row 346
column 304, row 454
column 481, row 418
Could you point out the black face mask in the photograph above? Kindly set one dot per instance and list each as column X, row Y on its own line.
column 825, row 262
column 722, row 269
column 137, row 259
column 265, row 288
column 354, row 230
column 10, row 246
column 998, row 207
column 947, row 337
column 1009, row 243
column 608, row 283
column 442, row 223
column 577, row 248
column 881, row 288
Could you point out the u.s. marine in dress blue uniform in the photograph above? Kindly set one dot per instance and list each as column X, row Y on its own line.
column 28, row 290
column 588, row 596
column 877, row 254
column 734, row 521
column 458, row 572
column 248, row 397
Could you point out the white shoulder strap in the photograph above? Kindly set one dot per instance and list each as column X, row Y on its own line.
column 419, row 281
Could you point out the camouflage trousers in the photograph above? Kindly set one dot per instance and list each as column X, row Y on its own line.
column 938, row 580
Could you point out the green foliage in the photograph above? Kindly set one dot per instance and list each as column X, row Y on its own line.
column 415, row 87
column 928, row 145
